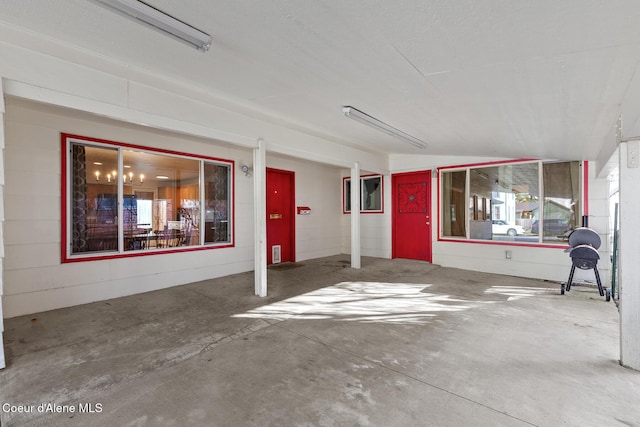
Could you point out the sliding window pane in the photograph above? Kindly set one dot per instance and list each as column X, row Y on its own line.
column 347, row 195
column 504, row 199
column 371, row 193
column 561, row 200
column 94, row 207
column 217, row 201
column 161, row 201
column 453, row 204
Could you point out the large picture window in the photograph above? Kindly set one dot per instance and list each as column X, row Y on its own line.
column 121, row 199
column 534, row 201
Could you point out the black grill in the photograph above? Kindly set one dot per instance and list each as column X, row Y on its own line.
column 584, row 244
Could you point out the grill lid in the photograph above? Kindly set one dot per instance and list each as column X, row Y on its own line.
column 584, row 236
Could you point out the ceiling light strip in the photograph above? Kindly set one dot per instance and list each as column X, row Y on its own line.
column 158, row 20
column 359, row 116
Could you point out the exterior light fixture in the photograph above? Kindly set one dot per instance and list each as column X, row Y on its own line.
column 158, row 20
column 368, row 120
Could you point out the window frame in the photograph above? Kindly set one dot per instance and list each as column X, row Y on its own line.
column 583, row 191
column 67, row 139
column 346, row 179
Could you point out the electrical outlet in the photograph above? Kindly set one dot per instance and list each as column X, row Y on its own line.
column 507, row 254
column 633, row 153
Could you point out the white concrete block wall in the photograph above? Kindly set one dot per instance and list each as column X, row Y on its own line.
column 375, row 228
column 538, row 263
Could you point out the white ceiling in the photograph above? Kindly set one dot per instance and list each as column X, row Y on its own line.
column 506, row 78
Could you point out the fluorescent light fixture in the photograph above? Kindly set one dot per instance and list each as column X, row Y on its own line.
column 366, row 119
column 160, row 21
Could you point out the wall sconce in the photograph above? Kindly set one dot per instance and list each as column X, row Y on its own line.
column 246, row 169
column 97, row 175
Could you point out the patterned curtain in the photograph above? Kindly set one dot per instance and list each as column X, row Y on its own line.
column 221, row 186
column 372, row 201
column 79, row 199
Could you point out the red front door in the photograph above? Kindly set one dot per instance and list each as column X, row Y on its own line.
column 280, row 216
column 412, row 215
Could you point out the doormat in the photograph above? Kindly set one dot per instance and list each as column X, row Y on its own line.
column 284, row 266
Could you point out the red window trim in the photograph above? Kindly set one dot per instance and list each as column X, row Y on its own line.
column 585, row 198
column 67, row 258
column 500, row 162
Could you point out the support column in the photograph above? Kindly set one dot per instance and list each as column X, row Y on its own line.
column 629, row 250
column 355, row 216
column 260, row 218
column 2, row 360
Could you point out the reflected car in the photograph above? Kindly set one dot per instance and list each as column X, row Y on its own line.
column 501, row 227
column 552, row 227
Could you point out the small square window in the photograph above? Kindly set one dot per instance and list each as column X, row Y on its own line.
column 370, row 194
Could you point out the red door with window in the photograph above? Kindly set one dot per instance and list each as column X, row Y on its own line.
column 411, row 220
column 280, row 216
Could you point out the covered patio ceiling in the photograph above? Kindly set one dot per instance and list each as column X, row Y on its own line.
column 515, row 79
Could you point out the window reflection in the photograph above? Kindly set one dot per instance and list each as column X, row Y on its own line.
column 504, row 202
column 161, row 201
column 561, row 200
column 160, row 195
column 453, row 207
column 503, row 198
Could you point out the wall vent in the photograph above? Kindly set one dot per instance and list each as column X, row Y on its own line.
column 276, row 257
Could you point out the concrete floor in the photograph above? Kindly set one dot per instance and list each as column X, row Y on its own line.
column 397, row 343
